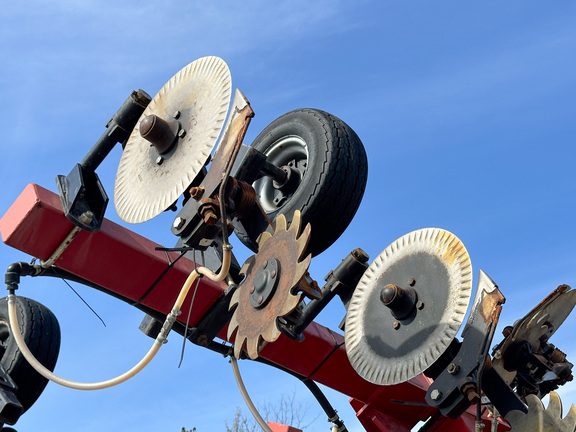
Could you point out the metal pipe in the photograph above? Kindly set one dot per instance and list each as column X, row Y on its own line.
column 118, row 129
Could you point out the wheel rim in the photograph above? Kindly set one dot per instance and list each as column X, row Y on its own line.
column 290, row 152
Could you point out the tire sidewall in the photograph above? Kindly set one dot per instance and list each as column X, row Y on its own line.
column 312, row 133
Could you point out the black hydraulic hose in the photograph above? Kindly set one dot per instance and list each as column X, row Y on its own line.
column 329, row 410
column 18, row 269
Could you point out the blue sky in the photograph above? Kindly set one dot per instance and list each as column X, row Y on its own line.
column 466, row 110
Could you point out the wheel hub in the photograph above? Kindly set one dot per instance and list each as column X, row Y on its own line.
column 265, row 283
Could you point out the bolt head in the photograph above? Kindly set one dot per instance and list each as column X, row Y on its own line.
column 260, row 300
column 196, row 192
column 178, row 222
column 273, row 274
column 435, row 394
column 420, row 305
column 252, row 289
column 86, row 217
column 396, row 325
column 453, row 369
column 176, row 114
column 412, row 282
column 181, row 133
column 210, row 218
column 265, row 264
column 159, row 160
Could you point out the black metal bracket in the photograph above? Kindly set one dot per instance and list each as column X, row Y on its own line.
column 83, row 197
column 341, row 281
column 456, row 386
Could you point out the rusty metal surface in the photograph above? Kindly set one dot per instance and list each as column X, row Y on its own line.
column 228, row 147
column 540, row 419
column 255, row 325
column 540, row 322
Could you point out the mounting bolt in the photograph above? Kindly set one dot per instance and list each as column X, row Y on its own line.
column 396, row 325
column 420, row 305
column 252, row 289
column 196, row 192
column 210, row 218
column 412, row 282
column 273, row 274
column 435, row 394
column 453, row 369
column 159, row 160
column 260, row 300
column 265, row 264
column 178, row 222
column 176, row 114
column 181, row 133
column 86, row 217
column 202, row 340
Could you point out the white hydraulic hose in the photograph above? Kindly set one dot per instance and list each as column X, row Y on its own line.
column 158, row 342
column 246, row 396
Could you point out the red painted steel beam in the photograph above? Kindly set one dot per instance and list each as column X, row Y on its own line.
column 125, row 263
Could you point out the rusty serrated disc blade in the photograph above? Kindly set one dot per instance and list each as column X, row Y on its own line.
column 200, row 93
column 386, row 350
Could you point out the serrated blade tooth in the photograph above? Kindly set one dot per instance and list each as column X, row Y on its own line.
column 235, row 299
column 271, row 334
column 569, row 421
column 303, row 240
column 289, row 305
column 263, row 238
column 555, row 405
column 252, row 347
column 232, row 327
column 534, row 404
column 296, row 221
column 301, row 269
column 247, row 264
column 238, row 344
column 280, row 223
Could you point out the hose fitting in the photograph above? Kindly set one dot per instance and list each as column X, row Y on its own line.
column 17, row 269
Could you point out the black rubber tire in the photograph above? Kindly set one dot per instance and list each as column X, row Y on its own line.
column 41, row 333
column 332, row 163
